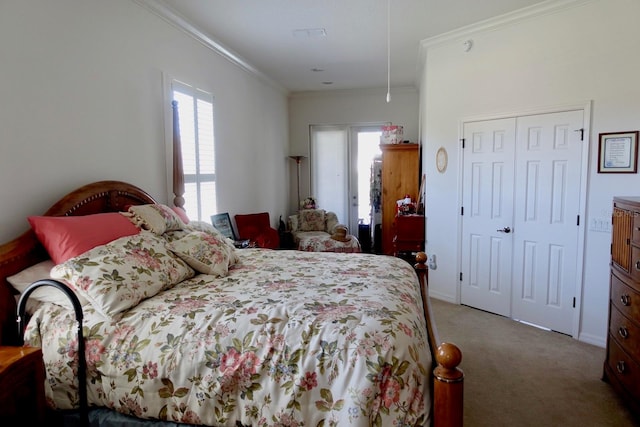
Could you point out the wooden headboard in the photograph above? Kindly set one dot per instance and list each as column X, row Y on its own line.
column 26, row 250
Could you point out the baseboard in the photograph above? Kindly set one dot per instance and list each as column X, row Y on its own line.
column 442, row 297
column 593, row 340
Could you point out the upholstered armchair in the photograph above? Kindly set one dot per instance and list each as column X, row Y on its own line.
column 257, row 229
column 317, row 230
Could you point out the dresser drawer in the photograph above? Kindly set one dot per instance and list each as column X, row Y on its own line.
column 625, row 298
column 625, row 332
column 625, row 369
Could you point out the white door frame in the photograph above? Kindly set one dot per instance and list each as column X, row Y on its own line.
column 582, row 208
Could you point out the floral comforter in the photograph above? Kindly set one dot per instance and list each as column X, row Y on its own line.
column 287, row 338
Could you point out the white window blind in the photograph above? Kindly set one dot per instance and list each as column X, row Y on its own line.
column 195, row 112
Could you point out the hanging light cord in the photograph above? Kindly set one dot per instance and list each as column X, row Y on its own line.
column 388, row 51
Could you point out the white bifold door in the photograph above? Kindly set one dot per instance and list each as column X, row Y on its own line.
column 520, row 216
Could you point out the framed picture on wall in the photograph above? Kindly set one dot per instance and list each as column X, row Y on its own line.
column 618, row 152
column 222, row 223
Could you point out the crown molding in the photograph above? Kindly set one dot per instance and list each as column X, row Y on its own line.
column 161, row 9
column 540, row 9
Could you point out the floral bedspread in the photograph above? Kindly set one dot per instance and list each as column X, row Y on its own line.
column 288, row 338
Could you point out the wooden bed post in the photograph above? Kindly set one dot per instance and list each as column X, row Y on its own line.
column 178, row 175
column 448, row 381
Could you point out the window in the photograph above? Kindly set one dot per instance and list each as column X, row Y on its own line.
column 195, row 112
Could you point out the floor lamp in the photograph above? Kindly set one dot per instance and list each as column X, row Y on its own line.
column 298, row 159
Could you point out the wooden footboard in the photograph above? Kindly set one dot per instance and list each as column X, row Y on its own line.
column 448, row 379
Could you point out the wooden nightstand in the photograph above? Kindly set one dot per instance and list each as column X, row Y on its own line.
column 22, row 385
column 408, row 234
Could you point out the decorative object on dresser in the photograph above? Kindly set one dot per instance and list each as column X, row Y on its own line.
column 22, row 379
column 400, row 177
column 622, row 364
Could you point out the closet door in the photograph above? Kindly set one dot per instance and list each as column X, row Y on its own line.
column 488, row 215
column 547, row 201
column 520, row 228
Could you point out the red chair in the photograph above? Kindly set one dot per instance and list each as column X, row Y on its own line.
column 257, row 228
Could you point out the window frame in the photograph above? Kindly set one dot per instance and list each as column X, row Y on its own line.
column 172, row 84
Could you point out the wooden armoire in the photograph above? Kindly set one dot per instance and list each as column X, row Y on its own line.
column 400, row 176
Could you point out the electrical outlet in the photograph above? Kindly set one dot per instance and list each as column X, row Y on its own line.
column 431, row 262
column 601, row 225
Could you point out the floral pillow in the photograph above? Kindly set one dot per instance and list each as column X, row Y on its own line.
column 156, row 218
column 117, row 276
column 311, row 220
column 204, row 252
column 210, row 229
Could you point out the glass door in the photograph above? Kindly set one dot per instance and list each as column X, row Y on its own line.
column 342, row 159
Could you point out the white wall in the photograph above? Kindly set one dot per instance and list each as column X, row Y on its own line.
column 341, row 108
column 586, row 52
column 81, row 100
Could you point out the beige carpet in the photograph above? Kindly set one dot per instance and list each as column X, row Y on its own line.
column 519, row 375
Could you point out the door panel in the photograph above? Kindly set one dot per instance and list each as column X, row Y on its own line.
column 488, row 210
column 548, row 169
column 329, row 169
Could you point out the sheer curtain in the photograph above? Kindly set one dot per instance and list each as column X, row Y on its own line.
column 329, row 169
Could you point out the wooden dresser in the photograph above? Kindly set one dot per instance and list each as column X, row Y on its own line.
column 400, row 176
column 622, row 364
column 408, row 234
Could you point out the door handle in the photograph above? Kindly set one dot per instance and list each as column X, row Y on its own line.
column 504, row 230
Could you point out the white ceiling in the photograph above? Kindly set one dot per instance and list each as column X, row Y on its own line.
column 352, row 55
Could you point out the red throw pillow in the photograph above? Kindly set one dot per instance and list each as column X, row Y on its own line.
column 181, row 213
column 65, row 237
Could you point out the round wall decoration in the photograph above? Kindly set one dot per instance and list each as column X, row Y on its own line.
column 441, row 159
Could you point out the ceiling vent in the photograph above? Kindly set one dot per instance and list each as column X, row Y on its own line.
column 310, row 33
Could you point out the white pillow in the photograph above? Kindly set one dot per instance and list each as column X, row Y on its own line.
column 42, row 270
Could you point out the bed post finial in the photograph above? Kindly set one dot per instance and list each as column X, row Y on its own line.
column 448, row 379
column 178, row 175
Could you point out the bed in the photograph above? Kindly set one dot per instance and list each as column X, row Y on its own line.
column 180, row 327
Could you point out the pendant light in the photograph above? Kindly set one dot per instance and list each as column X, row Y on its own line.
column 388, row 51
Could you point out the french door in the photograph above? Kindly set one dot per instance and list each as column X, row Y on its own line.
column 341, row 159
column 520, row 225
